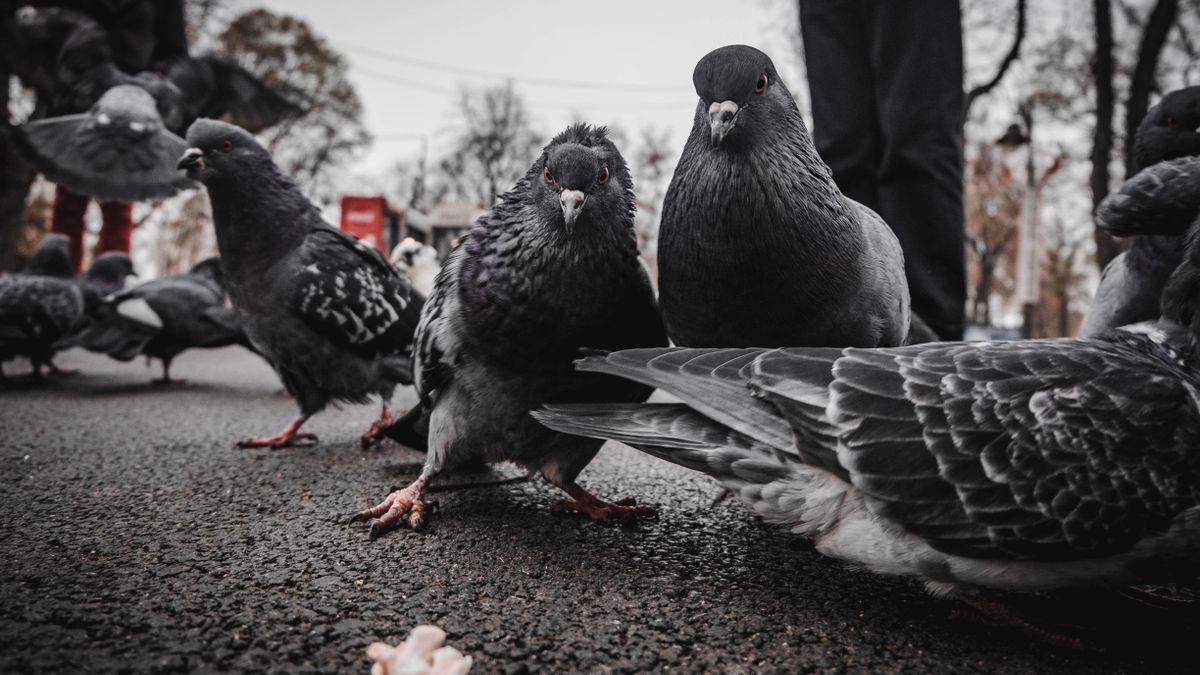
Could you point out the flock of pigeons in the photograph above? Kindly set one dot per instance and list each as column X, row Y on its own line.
column 805, row 387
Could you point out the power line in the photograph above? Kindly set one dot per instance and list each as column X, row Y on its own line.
column 423, row 86
column 473, row 72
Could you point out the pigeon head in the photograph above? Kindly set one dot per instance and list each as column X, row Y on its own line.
column 739, row 92
column 581, row 179
column 52, row 258
column 209, row 268
column 1171, row 129
column 218, row 152
column 108, row 271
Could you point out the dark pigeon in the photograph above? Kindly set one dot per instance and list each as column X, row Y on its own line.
column 164, row 317
column 40, row 314
column 757, row 246
column 118, row 150
column 1023, row 465
column 52, row 258
column 1132, row 282
column 328, row 312
column 217, row 88
column 551, row 270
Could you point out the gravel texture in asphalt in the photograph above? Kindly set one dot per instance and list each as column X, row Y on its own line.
column 135, row 538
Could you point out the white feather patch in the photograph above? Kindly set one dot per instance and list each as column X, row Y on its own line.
column 138, row 310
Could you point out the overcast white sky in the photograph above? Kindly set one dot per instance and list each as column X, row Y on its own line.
column 629, row 62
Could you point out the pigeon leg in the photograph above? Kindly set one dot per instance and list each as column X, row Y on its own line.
column 166, row 376
column 406, row 505
column 375, row 433
column 1001, row 614
column 286, row 438
column 581, row 501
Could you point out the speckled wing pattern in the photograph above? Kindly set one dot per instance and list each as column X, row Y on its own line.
column 42, row 309
column 437, row 340
column 1161, row 199
column 352, row 295
column 1049, row 450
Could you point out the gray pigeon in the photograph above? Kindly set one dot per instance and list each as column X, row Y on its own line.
column 1132, row 282
column 757, row 246
column 164, row 317
column 1025, row 465
column 40, row 314
column 52, row 257
column 553, row 269
column 118, row 150
column 327, row 311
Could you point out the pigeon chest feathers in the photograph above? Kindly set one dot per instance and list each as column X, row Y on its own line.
column 538, row 298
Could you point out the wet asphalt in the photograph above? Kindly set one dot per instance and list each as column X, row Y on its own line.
column 135, row 538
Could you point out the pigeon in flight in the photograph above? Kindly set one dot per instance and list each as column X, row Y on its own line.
column 118, row 150
column 40, row 314
column 1132, row 282
column 757, row 246
column 1026, row 465
column 327, row 311
column 551, row 270
column 164, row 317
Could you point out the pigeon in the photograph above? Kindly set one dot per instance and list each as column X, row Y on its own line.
column 757, row 246
column 551, row 270
column 1022, row 465
column 1132, row 282
column 52, row 258
column 217, row 88
column 164, row 317
column 118, row 150
column 39, row 314
column 419, row 261
column 328, row 312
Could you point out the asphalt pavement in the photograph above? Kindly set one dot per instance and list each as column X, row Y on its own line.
column 135, row 538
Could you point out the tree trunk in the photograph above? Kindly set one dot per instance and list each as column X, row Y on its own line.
column 1106, row 246
column 1143, row 80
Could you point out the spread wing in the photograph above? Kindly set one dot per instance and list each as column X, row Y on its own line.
column 348, row 292
column 221, row 89
column 1052, row 449
column 118, row 150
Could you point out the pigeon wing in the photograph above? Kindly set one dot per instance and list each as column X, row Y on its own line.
column 1161, row 199
column 243, row 99
column 348, row 292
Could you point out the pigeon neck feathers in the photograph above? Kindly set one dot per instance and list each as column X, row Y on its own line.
column 259, row 217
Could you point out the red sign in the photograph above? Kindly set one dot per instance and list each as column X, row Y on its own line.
column 363, row 218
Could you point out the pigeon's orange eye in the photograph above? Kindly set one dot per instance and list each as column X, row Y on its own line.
column 761, row 85
column 227, row 146
column 603, row 175
column 547, row 177
column 1172, row 122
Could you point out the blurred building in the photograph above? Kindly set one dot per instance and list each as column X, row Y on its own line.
column 443, row 225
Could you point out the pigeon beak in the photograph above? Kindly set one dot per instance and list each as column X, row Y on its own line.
column 721, row 119
column 572, row 203
column 193, row 158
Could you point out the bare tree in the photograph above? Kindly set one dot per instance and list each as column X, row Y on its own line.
column 494, row 146
column 1102, row 139
column 1144, row 78
column 993, row 205
column 1013, row 54
column 287, row 54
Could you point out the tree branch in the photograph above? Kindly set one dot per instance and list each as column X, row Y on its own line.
column 1009, row 58
column 1143, row 80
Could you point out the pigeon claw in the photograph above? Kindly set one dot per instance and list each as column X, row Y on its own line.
column 374, row 435
column 280, row 441
column 622, row 511
column 406, row 506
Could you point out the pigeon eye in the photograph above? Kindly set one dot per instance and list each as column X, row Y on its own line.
column 547, row 177
column 761, row 85
column 1172, row 122
column 603, row 175
column 227, row 146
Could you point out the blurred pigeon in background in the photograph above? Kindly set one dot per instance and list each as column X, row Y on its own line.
column 331, row 315
column 1023, row 465
column 52, row 257
column 39, row 314
column 217, row 88
column 164, row 317
column 1132, row 282
column 419, row 261
column 552, row 269
column 118, row 150
column 757, row 245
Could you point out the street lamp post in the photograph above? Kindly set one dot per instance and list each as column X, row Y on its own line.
column 1029, row 249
